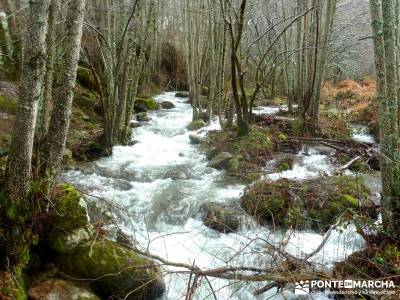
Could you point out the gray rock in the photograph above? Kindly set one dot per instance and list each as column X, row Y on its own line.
column 177, row 174
column 221, row 217
column 221, row 161
column 62, row 242
column 195, row 139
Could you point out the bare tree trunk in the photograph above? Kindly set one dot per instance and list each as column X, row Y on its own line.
column 19, row 164
column 45, row 108
column 321, row 64
column 64, row 89
column 386, row 52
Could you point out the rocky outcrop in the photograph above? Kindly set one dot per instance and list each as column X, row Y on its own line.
column 220, row 217
column 57, row 289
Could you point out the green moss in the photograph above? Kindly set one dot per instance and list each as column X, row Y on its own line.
column 101, row 258
column 8, row 105
column 145, row 104
column 70, row 211
column 257, row 139
column 85, row 78
column 196, row 125
column 311, row 204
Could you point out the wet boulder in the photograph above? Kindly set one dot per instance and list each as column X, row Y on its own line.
column 177, row 174
column 143, row 117
column 144, row 105
column 182, row 95
column 196, row 125
column 195, row 139
column 167, row 105
column 135, row 124
column 224, row 161
column 119, row 271
column 220, row 217
column 57, row 289
column 308, row 204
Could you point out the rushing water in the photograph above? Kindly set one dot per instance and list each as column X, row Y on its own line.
column 163, row 214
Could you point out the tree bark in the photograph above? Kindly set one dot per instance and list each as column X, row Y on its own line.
column 19, row 164
column 64, row 89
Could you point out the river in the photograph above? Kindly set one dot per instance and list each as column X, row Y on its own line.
column 163, row 214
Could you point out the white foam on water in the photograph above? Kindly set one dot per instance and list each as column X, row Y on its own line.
column 162, row 214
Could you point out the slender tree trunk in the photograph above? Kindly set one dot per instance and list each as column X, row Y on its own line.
column 64, row 90
column 321, row 64
column 19, row 164
column 45, row 108
column 389, row 131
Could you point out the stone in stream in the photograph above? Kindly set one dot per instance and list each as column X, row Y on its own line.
column 182, row 95
column 135, row 124
column 167, row 105
column 195, row 139
column 177, row 174
column 144, row 105
column 196, row 125
column 58, row 289
column 220, row 217
column 224, row 161
column 143, row 117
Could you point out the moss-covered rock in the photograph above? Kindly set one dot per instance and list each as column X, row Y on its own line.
column 70, row 209
column 143, row 117
column 221, row 217
column 65, row 242
column 85, row 78
column 167, row 105
column 144, row 105
column 314, row 203
column 221, row 161
column 118, row 270
column 196, row 125
column 59, row 289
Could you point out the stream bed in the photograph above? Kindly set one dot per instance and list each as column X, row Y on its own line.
column 158, row 185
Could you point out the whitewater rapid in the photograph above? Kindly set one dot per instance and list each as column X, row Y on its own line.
column 162, row 214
